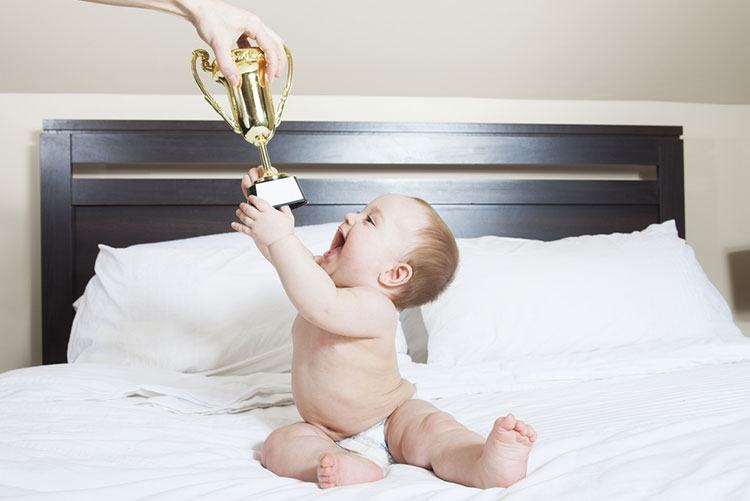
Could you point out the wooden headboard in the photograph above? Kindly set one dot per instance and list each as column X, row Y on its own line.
column 80, row 212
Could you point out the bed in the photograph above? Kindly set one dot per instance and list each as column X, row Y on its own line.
column 578, row 306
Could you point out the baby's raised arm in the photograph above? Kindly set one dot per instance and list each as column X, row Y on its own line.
column 355, row 312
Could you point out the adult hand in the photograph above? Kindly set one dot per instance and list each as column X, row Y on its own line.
column 220, row 25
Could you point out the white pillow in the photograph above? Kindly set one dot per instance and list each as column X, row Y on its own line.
column 514, row 298
column 209, row 304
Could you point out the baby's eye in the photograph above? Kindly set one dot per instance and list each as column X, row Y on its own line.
column 369, row 220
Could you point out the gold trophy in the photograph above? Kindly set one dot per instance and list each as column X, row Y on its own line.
column 254, row 117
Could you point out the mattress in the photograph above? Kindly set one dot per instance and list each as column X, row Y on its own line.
column 93, row 431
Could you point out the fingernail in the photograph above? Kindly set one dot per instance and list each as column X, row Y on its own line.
column 234, row 80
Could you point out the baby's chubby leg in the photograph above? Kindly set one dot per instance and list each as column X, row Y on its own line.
column 419, row 434
column 305, row 452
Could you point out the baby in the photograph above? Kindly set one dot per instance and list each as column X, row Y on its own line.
column 396, row 253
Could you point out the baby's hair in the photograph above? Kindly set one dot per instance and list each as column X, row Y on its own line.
column 433, row 262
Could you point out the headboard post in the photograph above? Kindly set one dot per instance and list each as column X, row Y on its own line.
column 672, row 183
column 57, row 245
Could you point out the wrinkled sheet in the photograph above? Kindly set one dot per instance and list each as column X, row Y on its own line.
column 667, row 426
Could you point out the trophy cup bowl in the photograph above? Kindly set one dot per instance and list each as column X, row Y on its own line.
column 254, row 117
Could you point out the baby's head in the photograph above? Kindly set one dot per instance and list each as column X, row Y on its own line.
column 397, row 243
column 433, row 260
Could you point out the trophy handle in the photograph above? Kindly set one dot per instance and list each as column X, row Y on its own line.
column 285, row 94
column 205, row 66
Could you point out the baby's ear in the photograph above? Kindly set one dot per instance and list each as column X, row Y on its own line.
column 396, row 276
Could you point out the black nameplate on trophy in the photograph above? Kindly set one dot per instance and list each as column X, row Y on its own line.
column 280, row 191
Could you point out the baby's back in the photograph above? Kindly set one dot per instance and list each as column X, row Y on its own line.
column 345, row 385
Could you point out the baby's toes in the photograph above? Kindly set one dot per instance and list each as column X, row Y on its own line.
column 522, row 427
column 526, row 430
column 326, row 472
column 506, row 423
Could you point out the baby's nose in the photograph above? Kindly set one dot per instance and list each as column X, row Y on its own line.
column 350, row 218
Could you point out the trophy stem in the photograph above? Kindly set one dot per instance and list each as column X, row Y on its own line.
column 265, row 160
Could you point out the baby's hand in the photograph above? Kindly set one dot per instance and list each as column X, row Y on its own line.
column 263, row 223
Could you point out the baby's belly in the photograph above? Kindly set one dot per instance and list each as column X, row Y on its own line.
column 343, row 411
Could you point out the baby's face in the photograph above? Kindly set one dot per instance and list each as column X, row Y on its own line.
column 373, row 240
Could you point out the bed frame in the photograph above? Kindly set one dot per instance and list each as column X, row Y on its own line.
column 79, row 213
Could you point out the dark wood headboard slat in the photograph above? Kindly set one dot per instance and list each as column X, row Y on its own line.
column 399, row 148
column 312, row 127
column 106, row 192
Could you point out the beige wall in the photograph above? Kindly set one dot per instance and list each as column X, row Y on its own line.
column 717, row 172
column 667, row 50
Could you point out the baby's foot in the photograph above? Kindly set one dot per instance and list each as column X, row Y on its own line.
column 346, row 468
column 506, row 453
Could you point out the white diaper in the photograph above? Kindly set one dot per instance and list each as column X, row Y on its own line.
column 370, row 444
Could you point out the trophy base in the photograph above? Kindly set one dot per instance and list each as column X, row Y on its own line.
column 278, row 191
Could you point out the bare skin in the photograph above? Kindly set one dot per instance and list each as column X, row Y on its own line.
column 345, row 376
column 419, row 434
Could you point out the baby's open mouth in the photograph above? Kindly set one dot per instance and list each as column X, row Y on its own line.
column 336, row 245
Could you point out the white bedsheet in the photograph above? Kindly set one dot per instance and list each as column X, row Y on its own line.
column 675, row 427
